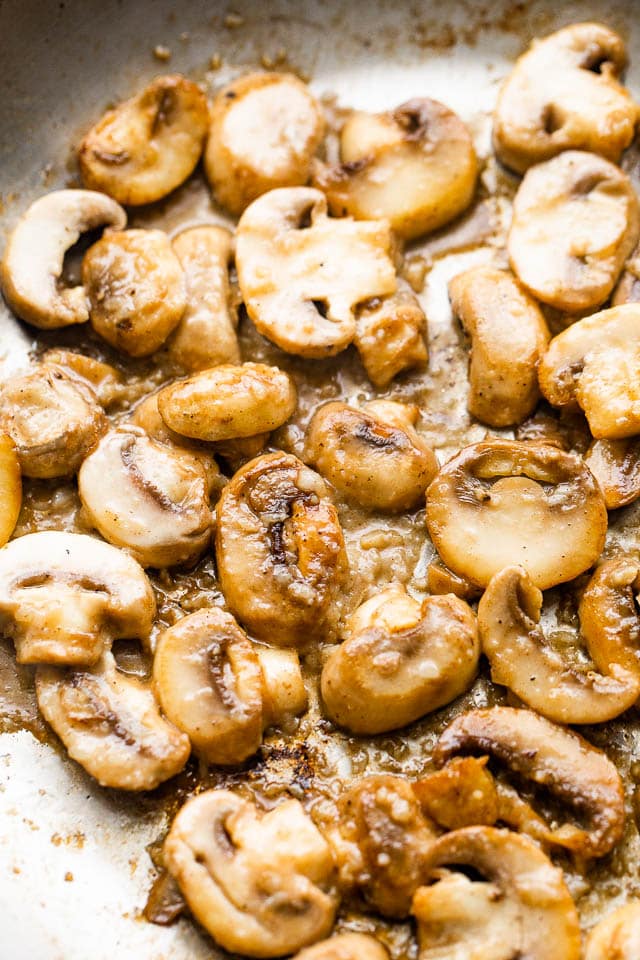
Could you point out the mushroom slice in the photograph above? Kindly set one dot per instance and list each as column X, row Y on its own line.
column 401, row 660
column 522, row 659
column 260, row 884
column 65, row 597
column 265, row 129
column 228, row 401
column 594, row 363
column 628, row 287
column 206, row 335
column 521, row 909
column 10, row 488
column 31, row 268
column 575, row 222
column 414, row 165
column 609, row 616
column 508, row 336
column 374, row 457
column 441, row 580
column 148, row 145
column 564, row 93
column 147, row 497
column 345, row 946
column 280, row 551
column 553, row 757
column 283, row 691
column 462, row 794
column 111, row 725
column 529, row 503
column 380, row 842
column 617, row 937
column 136, row 289
column 391, row 335
column 210, row 682
column 53, row 420
column 103, row 379
column 616, row 466
column 291, row 258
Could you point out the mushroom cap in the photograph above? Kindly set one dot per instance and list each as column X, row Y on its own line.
column 544, row 678
column 111, row 725
column 462, row 794
column 415, row 166
column 508, row 336
column 265, row 129
column 594, row 363
column 53, row 419
column 10, row 488
column 228, row 401
column 32, row 263
column 240, row 873
column 64, row 597
column 501, row 502
column 522, row 908
column 103, row 379
column 136, row 288
column 391, row 335
column 290, row 258
column 283, row 691
column 208, row 680
column 345, row 946
column 148, row 497
column 553, row 757
column 401, row 660
column 280, row 550
column 617, row 937
column 564, row 93
column 575, row 222
column 609, row 617
column 616, row 466
column 148, row 145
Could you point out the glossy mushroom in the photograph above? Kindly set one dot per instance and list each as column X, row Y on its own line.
column 345, row 946
column 616, row 466
column 609, row 615
column 391, row 335
column 10, row 488
column 617, row 937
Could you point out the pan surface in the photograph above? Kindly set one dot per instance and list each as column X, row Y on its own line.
column 74, row 871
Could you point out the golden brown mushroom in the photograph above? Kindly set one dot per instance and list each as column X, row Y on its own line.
column 502, row 501
column 10, row 488
column 259, row 883
column 508, row 336
column 616, row 466
column 401, row 660
column 462, row 794
column 345, row 946
column 414, row 166
column 617, row 937
column 103, row 379
column 609, row 615
column 391, row 335
column 575, row 222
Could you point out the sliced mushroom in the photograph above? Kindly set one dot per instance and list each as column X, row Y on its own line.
column 31, row 268
column 280, row 551
column 547, row 680
column 260, row 884
column 517, row 502
column 210, row 683
column 564, row 93
column 380, row 841
column 136, row 289
column 609, row 616
column 508, row 336
column 283, row 691
column 228, row 402
column 391, row 335
column 401, row 660
column 414, row 166
column 291, row 258
column 345, row 946
column 110, row 724
column 103, row 379
column 628, row 287
column 462, row 794
column 53, row 420
column 594, row 363
column 617, row 937
column 575, row 222
column 374, row 457
column 441, row 580
column 553, row 757
column 265, row 129
column 522, row 907
column 147, row 497
column 616, row 466
column 65, row 597
column 148, row 145
column 10, row 488
column 206, row 335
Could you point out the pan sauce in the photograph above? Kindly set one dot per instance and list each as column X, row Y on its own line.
column 312, row 760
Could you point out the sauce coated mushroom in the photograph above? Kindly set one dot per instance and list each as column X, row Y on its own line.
column 528, row 503
column 609, row 615
column 10, row 488
column 291, row 258
column 391, row 335
column 345, row 946
column 617, row 937
column 260, row 884
column 401, row 660
column 616, row 466
column 280, row 551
